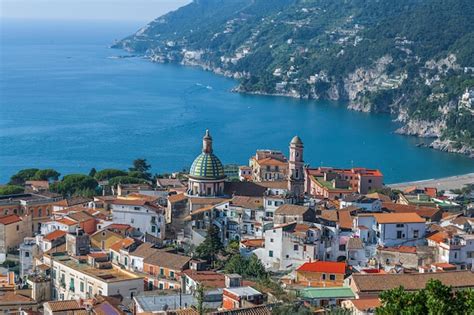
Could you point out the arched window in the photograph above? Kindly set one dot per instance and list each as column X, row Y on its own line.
column 40, row 212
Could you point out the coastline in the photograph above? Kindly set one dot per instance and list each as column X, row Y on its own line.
column 444, row 183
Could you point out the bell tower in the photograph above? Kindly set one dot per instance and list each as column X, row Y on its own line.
column 296, row 167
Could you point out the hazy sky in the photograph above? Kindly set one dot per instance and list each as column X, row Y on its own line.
column 136, row 10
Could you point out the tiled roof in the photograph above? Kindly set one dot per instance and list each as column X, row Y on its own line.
column 167, row 260
column 207, row 166
column 253, row 242
column 255, row 310
column 400, row 249
column 411, row 281
column 288, row 209
column 365, row 304
column 438, row 237
column 144, row 250
column 247, row 202
column 355, row 243
column 323, row 266
column 62, row 306
column 66, row 221
column 54, row 235
column 379, row 196
column 177, row 198
column 118, row 226
column 425, row 212
column 80, row 216
column 12, row 298
column 125, row 243
column 9, row 219
column 393, row 218
column 271, row 161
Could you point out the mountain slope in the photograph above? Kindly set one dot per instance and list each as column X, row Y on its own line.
column 411, row 58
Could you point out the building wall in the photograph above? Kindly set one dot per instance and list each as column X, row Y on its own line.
column 319, row 279
column 140, row 218
column 388, row 234
column 12, row 235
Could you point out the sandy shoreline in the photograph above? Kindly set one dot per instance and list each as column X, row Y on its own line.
column 452, row 182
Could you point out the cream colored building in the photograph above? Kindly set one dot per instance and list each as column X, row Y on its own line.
column 74, row 278
column 13, row 229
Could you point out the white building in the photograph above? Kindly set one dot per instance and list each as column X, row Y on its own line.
column 396, row 229
column 76, row 279
column 454, row 249
column 361, row 202
column 28, row 250
column 288, row 246
column 141, row 214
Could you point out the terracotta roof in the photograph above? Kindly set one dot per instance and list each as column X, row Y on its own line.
column 271, row 161
column 66, row 221
column 10, row 219
column 253, row 310
column 177, row 198
column 288, row 209
column 259, row 242
column 411, row 281
column 80, row 216
column 167, row 260
column 382, row 197
column 366, row 304
column 344, row 219
column 118, row 226
column 144, row 250
column 323, row 266
column 424, row 212
column 122, row 244
column 247, row 202
column 12, row 298
column 444, row 266
column 97, row 255
column 62, row 306
column 438, row 237
column 206, row 201
column 278, row 184
column 54, row 235
column 393, row 218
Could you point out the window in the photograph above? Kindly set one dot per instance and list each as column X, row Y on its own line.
column 271, row 240
column 208, row 190
column 71, row 284
column 323, row 276
column 126, row 261
column 153, row 229
column 17, row 227
column 332, row 277
column 370, row 181
column 27, row 254
column 136, row 208
column 270, row 253
column 295, row 247
column 416, row 233
column 40, row 212
column 132, row 220
column 400, row 225
column 171, row 274
column 342, row 247
column 81, row 286
column 162, row 272
column 269, row 202
column 399, row 234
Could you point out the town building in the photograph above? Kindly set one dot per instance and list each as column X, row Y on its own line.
column 332, row 183
column 269, row 165
column 13, row 230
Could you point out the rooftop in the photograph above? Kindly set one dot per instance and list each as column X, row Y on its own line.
column 323, row 266
column 327, row 293
column 10, row 219
column 243, row 291
column 105, row 275
column 394, row 218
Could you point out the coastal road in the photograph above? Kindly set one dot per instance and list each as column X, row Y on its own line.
column 446, row 183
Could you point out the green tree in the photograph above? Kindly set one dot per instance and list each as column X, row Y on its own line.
column 141, row 166
column 11, row 190
column 200, row 299
column 75, row 184
column 211, row 246
column 435, row 298
column 22, row 176
column 109, row 173
column 92, row 172
column 126, row 180
column 255, row 268
column 291, row 308
column 47, row 174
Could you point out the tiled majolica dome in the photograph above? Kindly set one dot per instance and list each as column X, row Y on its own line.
column 207, row 166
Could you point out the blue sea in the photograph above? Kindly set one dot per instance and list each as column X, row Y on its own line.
column 69, row 102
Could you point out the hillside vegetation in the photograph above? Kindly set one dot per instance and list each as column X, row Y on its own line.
column 411, row 58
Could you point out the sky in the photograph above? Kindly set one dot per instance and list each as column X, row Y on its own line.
column 125, row 10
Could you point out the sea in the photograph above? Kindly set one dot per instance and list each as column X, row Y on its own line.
column 69, row 102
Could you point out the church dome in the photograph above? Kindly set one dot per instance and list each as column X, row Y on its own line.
column 207, row 165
